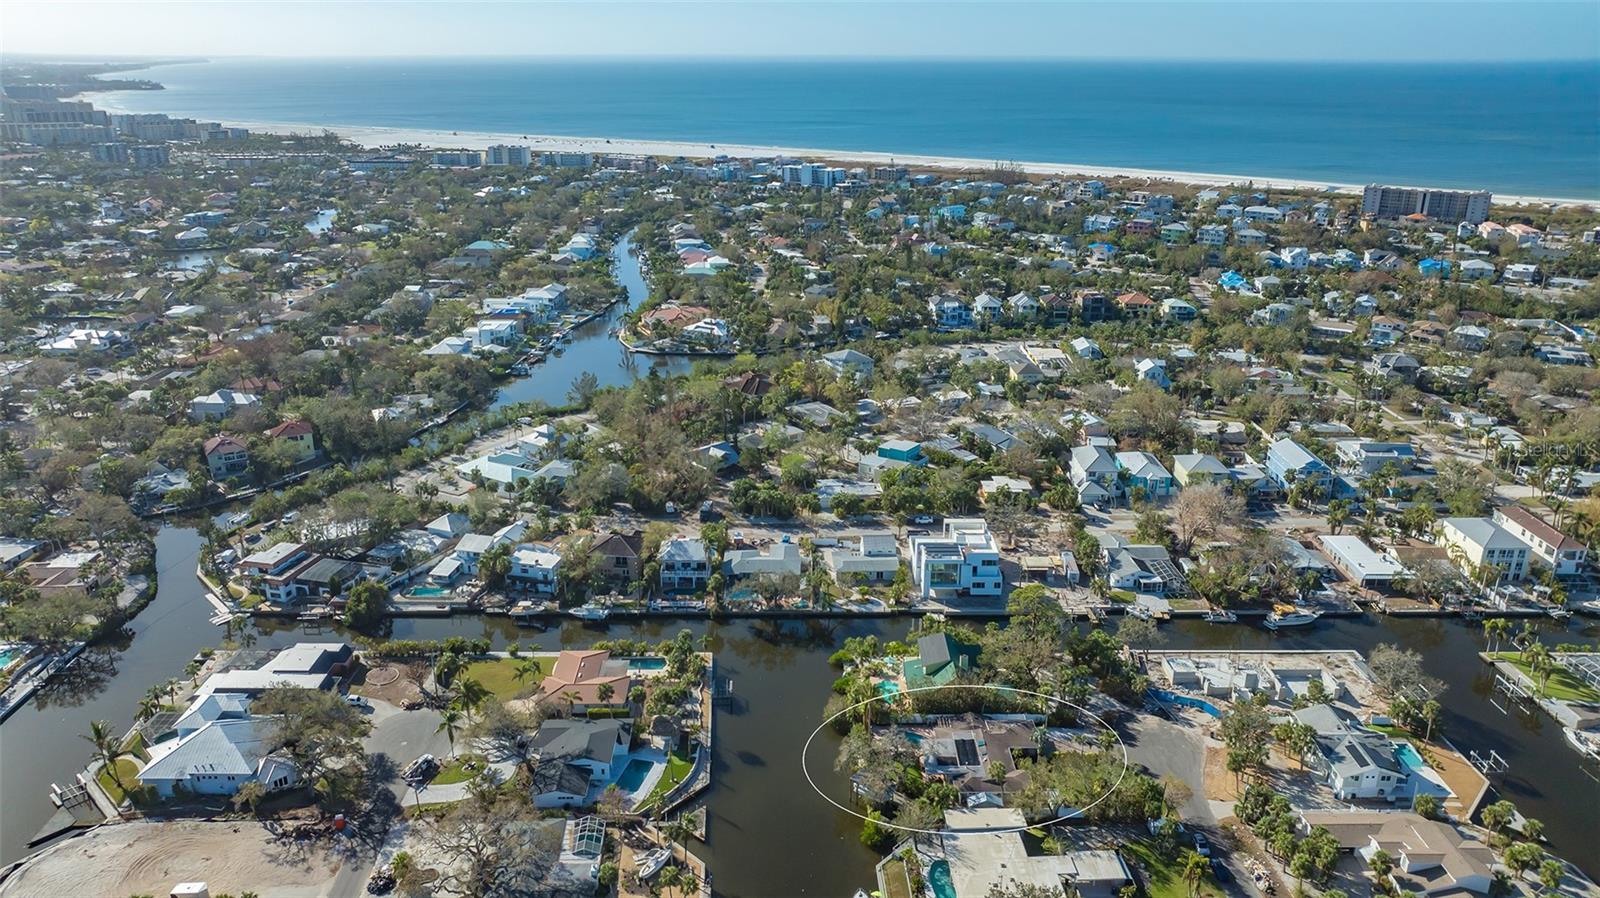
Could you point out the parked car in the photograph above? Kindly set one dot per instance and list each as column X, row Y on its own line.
column 1220, row 871
column 356, row 701
column 1202, row 846
column 923, row 519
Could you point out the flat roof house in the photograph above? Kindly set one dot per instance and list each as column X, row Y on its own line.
column 1359, row 563
column 962, row 560
column 984, row 848
column 874, row 557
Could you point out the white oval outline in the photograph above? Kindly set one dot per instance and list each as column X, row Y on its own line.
column 805, row 752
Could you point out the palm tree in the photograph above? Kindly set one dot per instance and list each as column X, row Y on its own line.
column 1195, row 869
column 1541, row 663
column 470, row 694
column 108, row 748
column 526, row 668
column 149, row 706
column 451, row 720
column 605, row 691
column 571, row 698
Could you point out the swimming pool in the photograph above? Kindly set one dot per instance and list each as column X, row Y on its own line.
column 430, row 592
column 888, row 688
column 939, row 879
column 10, row 653
column 1408, row 756
column 633, row 775
column 647, row 664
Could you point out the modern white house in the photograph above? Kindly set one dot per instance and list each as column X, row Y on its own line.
column 1474, row 543
column 1358, row 561
column 1363, row 764
column 963, row 559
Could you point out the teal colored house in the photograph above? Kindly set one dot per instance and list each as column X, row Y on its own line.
column 908, row 451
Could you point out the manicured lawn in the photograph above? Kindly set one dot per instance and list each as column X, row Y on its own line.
column 499, row 675
column 128, row 769
column 1164, row 878
column 1562, row 685
column 678, row 766
column 457, row 771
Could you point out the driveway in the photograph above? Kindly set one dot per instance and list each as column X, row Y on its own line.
column 1175, row 750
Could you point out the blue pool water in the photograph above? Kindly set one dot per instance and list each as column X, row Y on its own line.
column 1187, row 701
column 939, row 879
column 647, row 663
column 633, row 775
column 888, row 689
column 1408, row 756
column 8, row 655
column 429, row 592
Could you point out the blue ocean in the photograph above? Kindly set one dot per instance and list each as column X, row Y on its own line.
column 1516, row 128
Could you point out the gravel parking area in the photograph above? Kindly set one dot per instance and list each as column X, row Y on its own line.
column 149, row 858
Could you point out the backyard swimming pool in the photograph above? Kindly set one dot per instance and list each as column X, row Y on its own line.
column 633, row 775
column 647, row 664
column 427, row 592
column 1408, row 756
column 939, row 879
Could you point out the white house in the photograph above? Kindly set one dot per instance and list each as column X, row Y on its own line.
column 685, row 564
column 964, row 559
column 221, row 404
column 1477, row 542
column 535, row 567
column 1557, row 551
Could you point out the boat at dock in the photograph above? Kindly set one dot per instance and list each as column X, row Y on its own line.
column 1586, row 742
column 590, row 612
column 1220, row 616
column 1290, row 616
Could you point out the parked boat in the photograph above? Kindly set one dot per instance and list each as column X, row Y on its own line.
column 590, row 612
column 1587, row 743
column 1290, row 616
column 1219, row 616
column 651, row 864
column 1590, row 607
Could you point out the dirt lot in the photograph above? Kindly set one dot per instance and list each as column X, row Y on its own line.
column 150, row 858
column 386, row 682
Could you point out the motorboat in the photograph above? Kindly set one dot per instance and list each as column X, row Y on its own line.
column 1219, row 616
column 1290, row 616
column 591, row 612
column 1592, row 607
column 651, row 864
column 1586, row 742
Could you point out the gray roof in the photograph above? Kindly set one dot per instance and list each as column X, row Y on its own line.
column 593, row 740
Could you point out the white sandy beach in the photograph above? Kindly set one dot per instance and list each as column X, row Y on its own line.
column 373, row 136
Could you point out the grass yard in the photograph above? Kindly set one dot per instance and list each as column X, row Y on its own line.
column 1164, row 878
column 1562, row 685
column 499, row 675
column 128, row 770
column 460, row 769
column 678, row 766
column 894, row 880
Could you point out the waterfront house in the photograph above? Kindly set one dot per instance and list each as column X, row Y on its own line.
column 299, row 436
column 941, row 658
column 1359, row 763
column 870, row 557
column 685, row 565
column 225, row 457
column 984, row 848
column 589, row 747
column 1141, row 568
column 1564, row 555
column 535, row 567
column 1476, row 544
column 963, row 559
column 1359, row 563
column 776, row 559
column 587, row 679
column 1429, row 858
column 619, row 557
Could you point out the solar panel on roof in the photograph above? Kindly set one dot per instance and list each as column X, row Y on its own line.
column 967, row 752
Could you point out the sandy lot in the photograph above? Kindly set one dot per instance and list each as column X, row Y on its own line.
column 150, row 858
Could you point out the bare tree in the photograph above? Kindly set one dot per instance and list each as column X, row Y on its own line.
column 498, row 846
column 1205, row 511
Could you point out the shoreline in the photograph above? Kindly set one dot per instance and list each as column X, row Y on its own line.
column 374, row 136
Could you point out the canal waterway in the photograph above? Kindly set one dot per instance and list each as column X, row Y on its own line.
column 768, row 833
column 766, row 826
column 593, row 348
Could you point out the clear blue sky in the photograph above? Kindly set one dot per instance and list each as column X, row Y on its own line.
column 938, row 30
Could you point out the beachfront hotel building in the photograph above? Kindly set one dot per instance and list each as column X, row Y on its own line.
column 1442, row 205
column 508, row 154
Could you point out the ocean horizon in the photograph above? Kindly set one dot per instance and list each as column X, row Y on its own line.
column 1530, row 129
